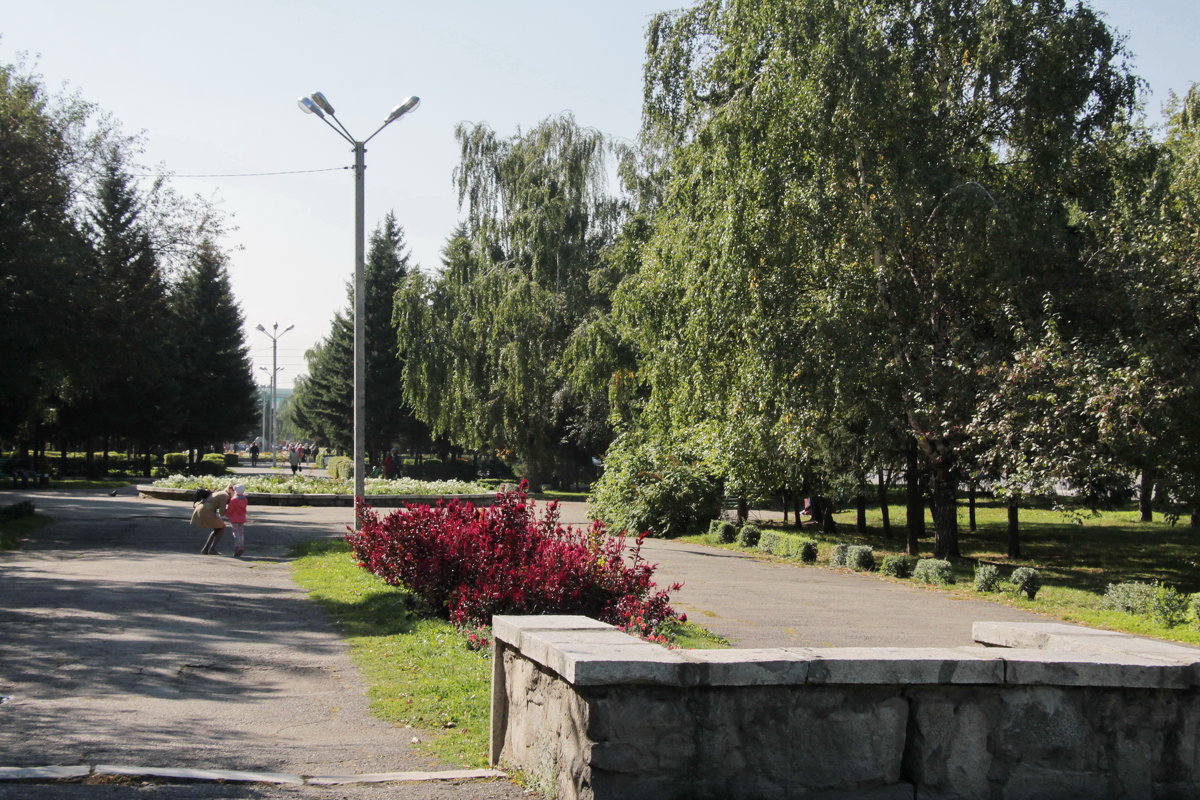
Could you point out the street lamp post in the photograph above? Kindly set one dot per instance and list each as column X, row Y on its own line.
column 274, row 335
column 316, row 103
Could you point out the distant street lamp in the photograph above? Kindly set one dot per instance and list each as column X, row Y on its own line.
column 274, row 336
column 316, row 103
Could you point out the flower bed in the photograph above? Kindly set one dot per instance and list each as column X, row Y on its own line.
column 301, row 484
column 469, row 563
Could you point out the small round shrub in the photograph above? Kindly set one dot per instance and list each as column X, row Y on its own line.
column 861, row 558
column 1133, row 597
column 897, row 566
column 749, row 535
column 175, row 462
column 714, row 525
column 933, row 570
column 231, row 460
column 987, row 578
column 211, row 464
column 808, row 554
column 1196, row 606
column 1170, row 606
column 838, row 557
column 1027, row 580
column 727, row 533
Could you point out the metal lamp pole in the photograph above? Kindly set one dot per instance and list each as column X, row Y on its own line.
column 316, row 103
column 274, row 372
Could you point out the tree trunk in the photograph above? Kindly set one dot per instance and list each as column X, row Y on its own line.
column 743, row 511
column 883, row 507
column 1146, row 495
column 827, row 523
column 860, row 508
column 915, row 507
column 1014, row 530
column 971, row 506
column 784, row 499
column 945, row 511
column 797, row 507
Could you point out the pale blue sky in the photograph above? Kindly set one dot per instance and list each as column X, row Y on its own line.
column 213, row 85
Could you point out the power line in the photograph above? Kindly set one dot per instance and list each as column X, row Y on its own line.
column 233, row 174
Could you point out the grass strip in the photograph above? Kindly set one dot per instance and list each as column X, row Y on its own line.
column 14, row 530
column 418, row 670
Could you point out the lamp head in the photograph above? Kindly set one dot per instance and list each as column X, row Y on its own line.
column 402, row 109
column 309, row 107
column 261, row 328
column 320, row 100
column 288, row 328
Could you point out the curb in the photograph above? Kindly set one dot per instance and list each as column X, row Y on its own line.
column 325, row 500
column 58, row 773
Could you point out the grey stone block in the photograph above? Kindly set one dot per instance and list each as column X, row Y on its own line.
column 766, row 667
column 904, row 666
column 507, row 628
column 43, row 773
column 1042, row 667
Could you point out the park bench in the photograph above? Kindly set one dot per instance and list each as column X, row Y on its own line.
column 22, row 476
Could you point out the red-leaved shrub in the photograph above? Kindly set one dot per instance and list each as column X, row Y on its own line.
column 506, row 559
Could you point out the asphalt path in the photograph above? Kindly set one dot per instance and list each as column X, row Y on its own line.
column 121, row 644
column 755, row 602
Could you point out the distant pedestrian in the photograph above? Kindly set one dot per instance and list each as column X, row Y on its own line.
column 294, row 459
column 236, row 513
column 206, row 513
column 254, row 454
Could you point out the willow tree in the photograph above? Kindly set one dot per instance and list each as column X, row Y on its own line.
column 484, row 340
column 859, row 196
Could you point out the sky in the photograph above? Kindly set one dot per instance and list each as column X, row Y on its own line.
column 213, row 87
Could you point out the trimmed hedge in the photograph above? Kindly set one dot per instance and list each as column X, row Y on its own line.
column 340, row 467
column 788, row 546
column 839, row 555
column 897, row 566
column 987, row 578
column 861, row 558
column 1026, row 580
column 749, row 535
column 933, row 570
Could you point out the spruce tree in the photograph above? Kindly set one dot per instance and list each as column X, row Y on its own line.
column 218, row 399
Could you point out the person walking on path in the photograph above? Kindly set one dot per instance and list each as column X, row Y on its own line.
column 207, row 514
column 236, row 514
column 254, row 454
column 294, row 458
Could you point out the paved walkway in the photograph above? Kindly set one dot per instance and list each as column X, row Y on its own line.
column 754, row 602
column 120, row 644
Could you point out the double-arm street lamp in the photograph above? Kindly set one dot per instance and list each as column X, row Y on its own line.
column 274, row 335
column 316, row 103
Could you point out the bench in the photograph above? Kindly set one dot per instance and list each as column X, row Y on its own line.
column 23, row 476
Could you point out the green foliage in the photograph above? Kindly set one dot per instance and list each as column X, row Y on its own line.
column 311, row 484
column 808, row 551
column 726, row 532
column 1170, row 607
column 1132, row 597
column 897, row 566
column 860, row 557
column 840, row 555
column 987, row 578
column 340, row 467
column 934, row 571
column 211, row 464
column 231, row 460
column 486, row 342
column 175, row 462
column 662, row 489
column 13, row 511
column 787, row 545
column 749, row 535
column 1026, row 580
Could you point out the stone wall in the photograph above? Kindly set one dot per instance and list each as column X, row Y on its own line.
column 1045, row 711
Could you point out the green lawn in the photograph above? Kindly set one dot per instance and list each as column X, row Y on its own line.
column 1077, row 559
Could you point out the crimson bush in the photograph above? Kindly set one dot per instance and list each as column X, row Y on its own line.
column 505, row 558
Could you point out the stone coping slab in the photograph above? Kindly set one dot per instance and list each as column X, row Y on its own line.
column 54, row 773
column 585, row 652
column 43, row 773
column 283, row 499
